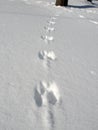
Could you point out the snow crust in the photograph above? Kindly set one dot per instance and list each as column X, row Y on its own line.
column 48, row 65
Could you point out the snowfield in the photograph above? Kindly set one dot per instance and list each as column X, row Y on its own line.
column 48, row 65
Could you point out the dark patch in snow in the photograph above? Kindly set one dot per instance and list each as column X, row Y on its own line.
column 51, row 116
column 38, row 99
column 40, row 56
column 82, row 6
column 51, row 98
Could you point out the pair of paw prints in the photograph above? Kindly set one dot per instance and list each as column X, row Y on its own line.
column 46, row 93
column 49, row 29
column 47, row 55
column 46, row 38
column 51, row 23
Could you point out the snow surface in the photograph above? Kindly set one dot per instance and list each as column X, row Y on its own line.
column 48, row 65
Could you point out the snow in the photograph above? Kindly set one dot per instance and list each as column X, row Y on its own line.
column 48, row 65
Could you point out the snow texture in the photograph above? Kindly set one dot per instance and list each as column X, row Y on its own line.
column 48, row 65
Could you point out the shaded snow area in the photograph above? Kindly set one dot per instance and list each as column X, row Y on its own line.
column 48, row 65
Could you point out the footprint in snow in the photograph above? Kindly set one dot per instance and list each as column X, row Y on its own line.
column 46, row 93
column 37, row 98
column 53, row 18
column 51, row 22
column 47, row 39
column 46, row 96
column 49, row 29
column 47, row 55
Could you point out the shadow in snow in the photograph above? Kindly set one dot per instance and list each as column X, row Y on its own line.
column 51, row 98
column 37, row 97
column 83, row 6
column 51, row 120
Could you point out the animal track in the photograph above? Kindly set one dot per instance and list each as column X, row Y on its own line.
column 53, row 18
column 47, row 55
column 46, row 93
column 47, row 39
column 51, row 22
column 37, row 98
column 49, row 29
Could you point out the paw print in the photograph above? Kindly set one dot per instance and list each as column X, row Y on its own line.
column 46, row 93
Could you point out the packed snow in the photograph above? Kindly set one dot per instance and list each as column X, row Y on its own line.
column 48, row 65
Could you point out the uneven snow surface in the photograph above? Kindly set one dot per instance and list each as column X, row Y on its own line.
column 48, row 65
